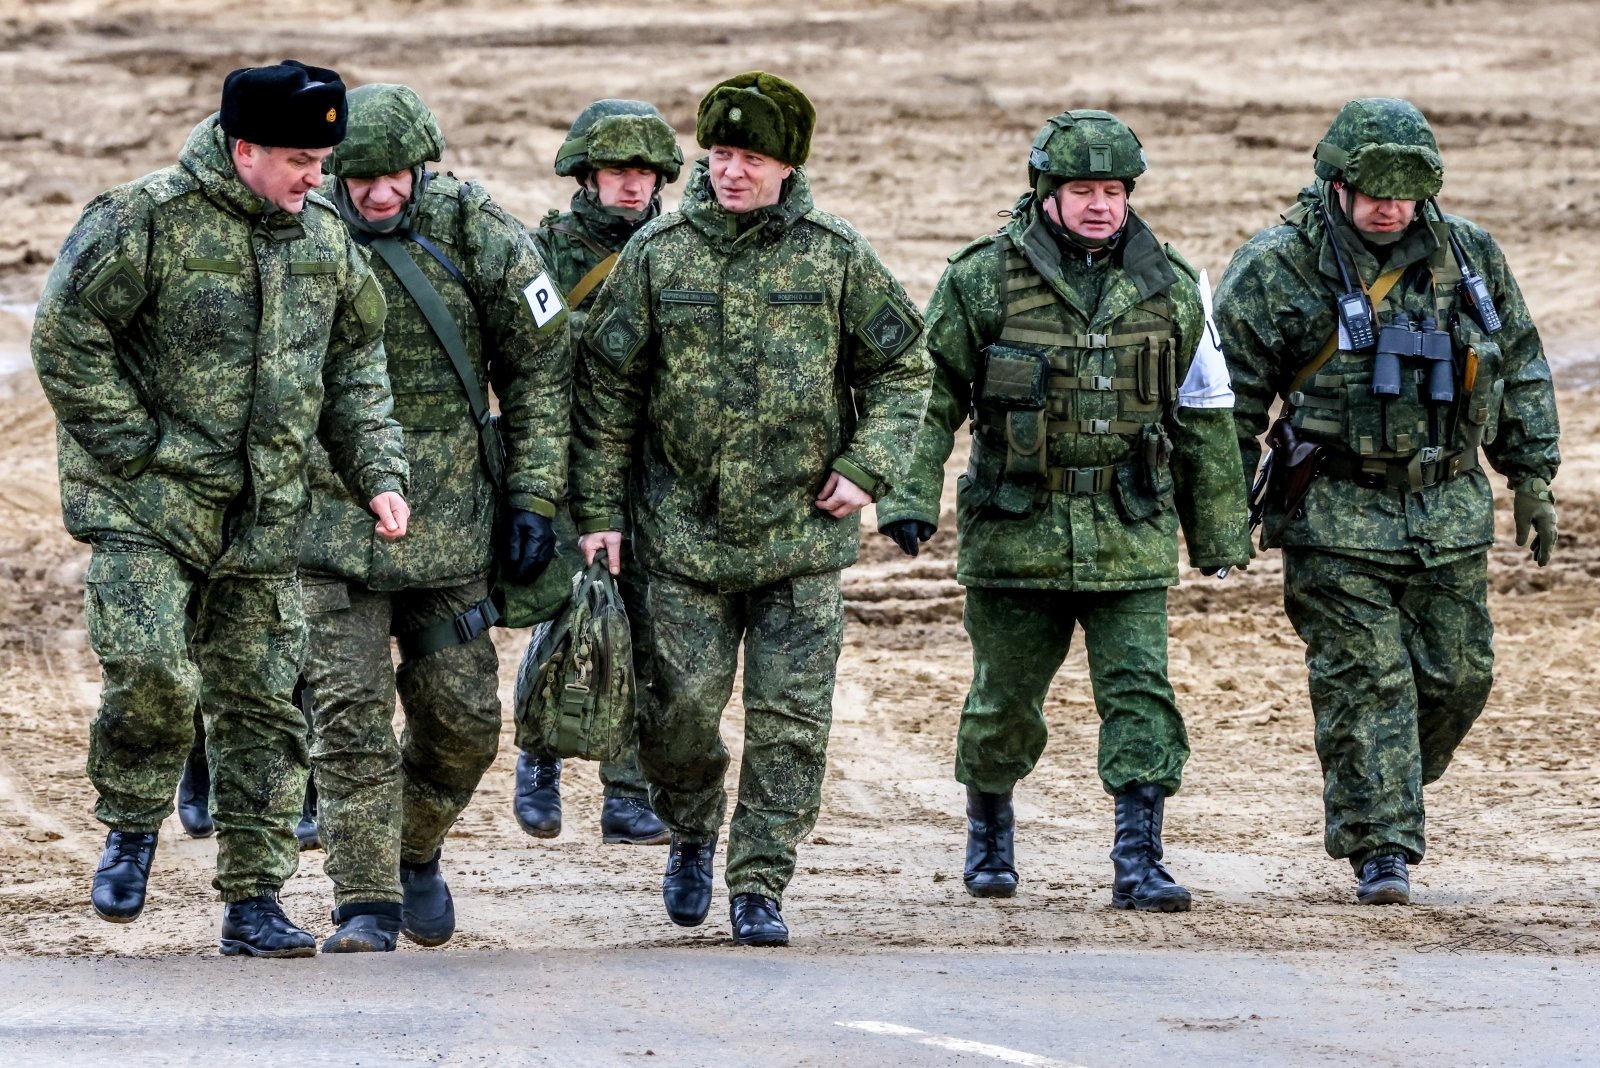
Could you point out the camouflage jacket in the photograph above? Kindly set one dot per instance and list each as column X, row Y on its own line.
column 192, row 340
column 1093, row 323
column 745, row 356
column 452, row 499
column 573, row 243
column 1275, row 310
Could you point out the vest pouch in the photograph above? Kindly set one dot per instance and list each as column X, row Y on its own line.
column 1134, row 499
column 1157, row 450
column 977, row 485
column 1013, row 379
column 1363, row 419
column 1027, row 460
column 1483, row 417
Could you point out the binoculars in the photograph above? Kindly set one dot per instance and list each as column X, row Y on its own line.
column 1401, row 339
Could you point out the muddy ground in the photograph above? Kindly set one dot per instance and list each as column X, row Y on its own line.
column 926, row 111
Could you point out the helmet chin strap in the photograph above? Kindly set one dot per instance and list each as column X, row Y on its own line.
column 1090, row 246
column 1375, row 238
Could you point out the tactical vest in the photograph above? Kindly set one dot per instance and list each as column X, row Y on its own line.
column 1405, row 441
column 1058, row 411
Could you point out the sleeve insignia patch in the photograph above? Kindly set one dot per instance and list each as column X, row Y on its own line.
column 617, row 340
column 115, row 292
column 370, row 308
column 544, row 300
column 888, row 330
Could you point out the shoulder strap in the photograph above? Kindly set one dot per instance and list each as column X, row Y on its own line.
column 588, row 242
column 1379, row 290
column 591, row 281
column 433, row 309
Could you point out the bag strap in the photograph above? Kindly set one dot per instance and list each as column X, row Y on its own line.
column 433, row 309
column 591, row 281
column 584, row 239
column 1380, row 289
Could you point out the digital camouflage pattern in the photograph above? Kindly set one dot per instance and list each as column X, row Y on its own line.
column 1401, row 661
column 192, row 341
column 1125, row 537
column 619, row 133
column 1020, row 638
column 171, row 639
column 381, row 801
column 739, row 357
column 575, row 241
column 451, row 535
column 389, row 130
column 791, row 631
column 1083, row 144
column 1386, row 585
column 1101, row 558
column 1275, row 309
column 1384, row 147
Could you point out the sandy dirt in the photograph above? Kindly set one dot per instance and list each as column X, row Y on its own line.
column 927, row 109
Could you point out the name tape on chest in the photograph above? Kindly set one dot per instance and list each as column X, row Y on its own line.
column 544, row 300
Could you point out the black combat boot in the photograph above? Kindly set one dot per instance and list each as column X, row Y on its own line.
column 756, row 921
column 428, row 916
column 1140, row 880
column 537, row 801
column 365, row 927
column 306, row 830
column 991, row 845
column 257, row 927
column 119, row 881
column 686, row 887
column 1384, row 881
column 194, row 795
column 631, row 821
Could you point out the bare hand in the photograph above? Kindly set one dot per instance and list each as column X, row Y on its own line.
column 840, row 497
column 610, row 541
column 392, row 512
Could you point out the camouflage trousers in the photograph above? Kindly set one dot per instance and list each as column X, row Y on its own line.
column 1401, row 661
column 1020, row 638
column 379, row 799
column 621, row 777
column 791, row 632
column 170, row 639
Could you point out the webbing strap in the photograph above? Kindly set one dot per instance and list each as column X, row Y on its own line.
column 1079, row 481
column 1092, row 383
column 1093, row 426
column 591, row 281
column 432, row 306
column 459, row 630
column 1038, row 332
column 1379, row 290
column 584, row 239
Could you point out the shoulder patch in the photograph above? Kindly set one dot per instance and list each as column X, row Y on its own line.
column 1177, row 260
column 544, row 300
column 616, row 339
column 115, row 291
column 370, row 308
column 888, row 328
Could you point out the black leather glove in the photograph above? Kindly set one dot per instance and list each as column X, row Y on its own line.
column 530, row 545
column 909, row 534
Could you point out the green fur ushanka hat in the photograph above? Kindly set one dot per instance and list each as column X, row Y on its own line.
column 760, row 112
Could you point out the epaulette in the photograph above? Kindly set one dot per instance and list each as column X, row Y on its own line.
column 1177, row 260
column 316, row 197
column 833, row 224
column 974, row 245
column 169, row 183
column 659, row 225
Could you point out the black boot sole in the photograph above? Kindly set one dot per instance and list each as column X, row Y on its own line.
column 992, row 890
column 1388, row 895
column 541, row 832
column 425, row 941
column 110, row 917
column 198, row 832
column 661, row 838
column 762, row 940
column 1172, row 903
column 232, row 947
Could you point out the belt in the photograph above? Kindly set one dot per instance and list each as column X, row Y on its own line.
column 1427, row 467
column 1080, row 481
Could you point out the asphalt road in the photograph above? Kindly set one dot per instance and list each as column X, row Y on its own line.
column 774, row 1007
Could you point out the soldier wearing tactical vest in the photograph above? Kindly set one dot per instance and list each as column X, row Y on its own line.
column 751, row 377
column 621, row 153
column 1402, row 349
column 472, row 305
column 201, row 326
column 1077, row 344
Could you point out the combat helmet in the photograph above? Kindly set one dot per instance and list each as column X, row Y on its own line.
column 1383, row 147
column 1084, row 144
column 390, row 130
column 620, row 133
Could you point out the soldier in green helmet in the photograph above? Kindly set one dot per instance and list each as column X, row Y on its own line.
column 1401, row 348
column 473, row 306
column 751, row 377
column 203, row 326
column 621, row 153
column 1080, row 349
